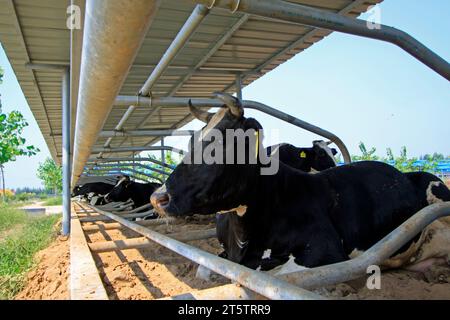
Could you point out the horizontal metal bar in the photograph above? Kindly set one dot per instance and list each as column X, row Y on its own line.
column 52, row 67
column 249, row 104
column 145, row 133
column 136, row 149
column 305, row 15
column 110, row 226
column 143, row 242
column 261, row 283
column 124, row 216
column 129, row 164
column 103, row 160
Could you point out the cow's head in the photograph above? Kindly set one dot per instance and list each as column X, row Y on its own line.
column 121, row 191
column 199, row 185
column 322, row 156
column 78, row 191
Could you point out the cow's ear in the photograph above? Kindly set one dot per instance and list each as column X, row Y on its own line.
column 250, row 123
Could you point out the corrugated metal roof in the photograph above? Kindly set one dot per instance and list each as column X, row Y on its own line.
column 35, row 31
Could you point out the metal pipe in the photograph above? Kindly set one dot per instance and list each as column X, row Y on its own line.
column 238, row 84
column 119, row 126
column 118, row 165
column 66, row 159
column 188, row 29
column 119, row 171
column 40, row 66
column 212, row 103
column 137, row 149
column 385, row 248
column 301, row 14
column 95, row 160
column 125, row 216
column 110, row 226
column 125, row 170
column 143, row 242
column 105, row 64
column 261, row 283
column 145, row 133
column 301, row 124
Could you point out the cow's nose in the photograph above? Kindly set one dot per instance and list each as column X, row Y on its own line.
column 159, row 200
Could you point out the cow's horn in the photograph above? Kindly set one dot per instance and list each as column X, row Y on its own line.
column 233, row 103
column 200, row 114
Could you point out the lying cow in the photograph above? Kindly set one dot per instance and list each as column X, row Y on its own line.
column 313, row 219
column 126, row 189
column 317, row 158
column 95, row 188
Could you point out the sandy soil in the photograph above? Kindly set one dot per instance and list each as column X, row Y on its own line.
column 49, row 279
column 156, row 272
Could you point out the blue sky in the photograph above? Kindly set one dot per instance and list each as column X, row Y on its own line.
column 360, row 89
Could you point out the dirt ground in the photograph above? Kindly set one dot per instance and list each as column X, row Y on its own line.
column 156, row 272
column 49, row 279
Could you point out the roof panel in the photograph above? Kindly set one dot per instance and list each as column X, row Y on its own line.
column 35, row 31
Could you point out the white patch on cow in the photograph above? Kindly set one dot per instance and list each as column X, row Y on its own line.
column 259, row 268
column 288, row 267
column 266, row 254
column 218, row 116
column 431, row 198
column 355, row 253
column 240, row 211
column 313, row 171
column 122, row 179
column 324, row 146
column 241, row 244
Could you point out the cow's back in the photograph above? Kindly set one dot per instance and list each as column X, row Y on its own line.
column 369, row 199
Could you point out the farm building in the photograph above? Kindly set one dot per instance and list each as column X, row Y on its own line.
column 106, row 80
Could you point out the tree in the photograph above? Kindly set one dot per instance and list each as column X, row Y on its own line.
column 365, row 155
column 12, row 144
column 51, row 175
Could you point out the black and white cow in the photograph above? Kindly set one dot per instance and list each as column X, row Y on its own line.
column 317, row 158
column 126, row 189
column 97, row 188
column 313, row 219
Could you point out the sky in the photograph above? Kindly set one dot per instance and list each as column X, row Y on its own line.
column 360, row 89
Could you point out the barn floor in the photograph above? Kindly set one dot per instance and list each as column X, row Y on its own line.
column 156, row 272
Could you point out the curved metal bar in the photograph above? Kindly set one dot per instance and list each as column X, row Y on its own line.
column 306, row 15
column 122, row 170
column 249, row 104
column 299, row 123
column 385, row 248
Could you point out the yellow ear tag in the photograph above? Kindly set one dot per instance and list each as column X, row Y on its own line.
column 302, row 154
column 257, row 144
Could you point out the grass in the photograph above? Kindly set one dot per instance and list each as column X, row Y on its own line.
column 53, row 201
column 18, row 249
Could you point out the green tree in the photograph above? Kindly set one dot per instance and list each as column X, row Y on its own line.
column 405, row 164
column 51, row 175
column 365, row 155
column 12, row 144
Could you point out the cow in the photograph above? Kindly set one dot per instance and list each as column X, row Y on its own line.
column 317, row 158
column 97, row 188
column 126, row 189
column 311, row 219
